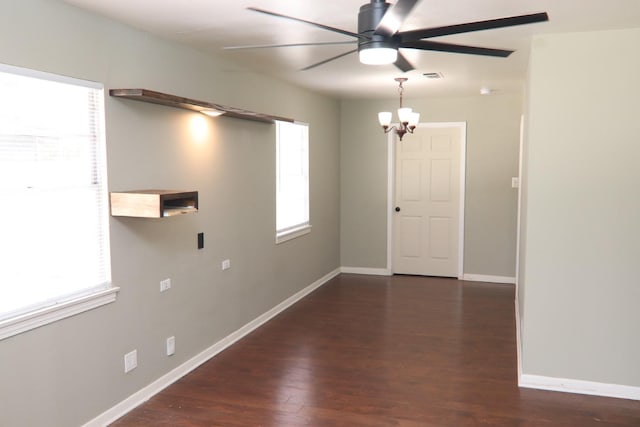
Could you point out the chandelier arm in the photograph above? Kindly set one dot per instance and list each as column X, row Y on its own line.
column 401, row 132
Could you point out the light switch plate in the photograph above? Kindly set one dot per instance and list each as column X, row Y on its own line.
column 171, row 346
column 130, row 361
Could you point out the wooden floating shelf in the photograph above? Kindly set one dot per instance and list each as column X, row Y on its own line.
column 153, row 203
column 150, row 96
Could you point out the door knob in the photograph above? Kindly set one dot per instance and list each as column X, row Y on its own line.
column 397, row 208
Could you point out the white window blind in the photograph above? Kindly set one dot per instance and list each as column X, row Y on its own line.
column 292, row 181
column 54, row 244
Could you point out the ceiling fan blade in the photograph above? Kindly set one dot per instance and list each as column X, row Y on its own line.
column 455, row 48
column 403, row 64
column 264, row 46
column 394, row 17
column 317, row 64
column 315, row 24
column 426, row 33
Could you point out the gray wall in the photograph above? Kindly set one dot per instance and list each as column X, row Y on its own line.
column 66, row 373
column 493, row 134
column 580, row 282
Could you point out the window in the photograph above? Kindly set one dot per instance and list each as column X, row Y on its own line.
column 292, row 180
column 54, row 247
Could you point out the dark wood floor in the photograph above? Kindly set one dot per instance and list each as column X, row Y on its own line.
column 378, row 351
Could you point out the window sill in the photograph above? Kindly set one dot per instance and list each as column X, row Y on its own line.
column 292, row 234
column 43, row 316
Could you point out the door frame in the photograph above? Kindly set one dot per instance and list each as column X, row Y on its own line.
column 391, row 175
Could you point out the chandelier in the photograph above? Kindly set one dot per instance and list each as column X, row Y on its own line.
column 408, row 118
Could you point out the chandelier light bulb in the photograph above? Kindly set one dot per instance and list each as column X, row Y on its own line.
column 384, row 118
column 414, row 119
column 404, row 114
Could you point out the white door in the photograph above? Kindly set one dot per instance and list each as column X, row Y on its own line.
column 426, row 216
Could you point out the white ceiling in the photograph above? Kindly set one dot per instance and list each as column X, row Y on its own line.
column 210, row 25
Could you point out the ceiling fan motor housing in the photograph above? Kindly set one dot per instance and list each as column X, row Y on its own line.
column 369, row 17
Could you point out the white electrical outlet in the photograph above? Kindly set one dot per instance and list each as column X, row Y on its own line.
column 515, row 182
column 226, row 264
column 171, row 345
column 165, row 285
column 130, row 361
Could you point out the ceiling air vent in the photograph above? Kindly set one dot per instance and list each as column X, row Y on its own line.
column 433, row 75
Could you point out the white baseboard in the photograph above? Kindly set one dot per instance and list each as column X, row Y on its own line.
column 518, row 337
column 469, row 277
column 491, row 279
column 369, row 271
column 166, row 380
column 579, row 386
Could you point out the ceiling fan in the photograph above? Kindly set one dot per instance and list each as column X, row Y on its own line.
column 379, row 36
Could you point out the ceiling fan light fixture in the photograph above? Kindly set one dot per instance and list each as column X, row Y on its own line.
column 378, row 55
